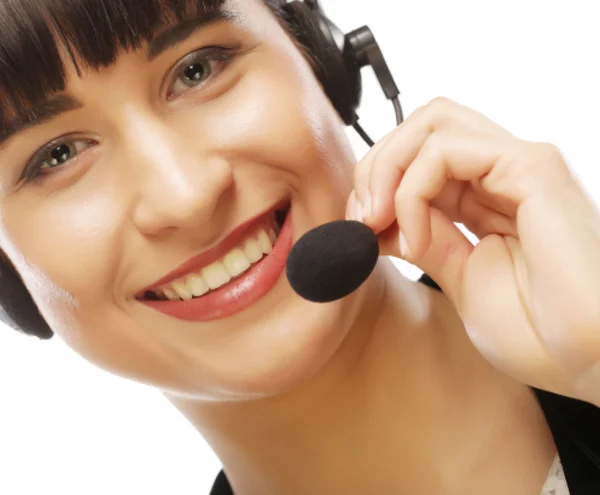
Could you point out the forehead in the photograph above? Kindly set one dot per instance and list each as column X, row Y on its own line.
column 35, row 37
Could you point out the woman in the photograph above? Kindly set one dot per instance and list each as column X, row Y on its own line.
column 151, row 217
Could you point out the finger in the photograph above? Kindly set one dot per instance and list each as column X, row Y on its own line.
column 511, row 343
column 362, row 171
column 481, row 220
column 460, row 207
column 389, row 241
column 457, row 196
column 446, row 256
column 387, row 166
column 493, row 201
column 351, row 206
column 463, row 205
column 445, row 156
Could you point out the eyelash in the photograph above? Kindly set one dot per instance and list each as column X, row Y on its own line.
column 217, row 58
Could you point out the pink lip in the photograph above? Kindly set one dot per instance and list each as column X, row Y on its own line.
column 212, row 254
column 239, row 293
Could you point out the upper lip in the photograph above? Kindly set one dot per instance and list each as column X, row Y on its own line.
column 213, row 253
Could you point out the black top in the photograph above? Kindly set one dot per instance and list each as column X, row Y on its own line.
column 575, row 426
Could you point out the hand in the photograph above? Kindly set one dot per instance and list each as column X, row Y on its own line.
column 529, row 292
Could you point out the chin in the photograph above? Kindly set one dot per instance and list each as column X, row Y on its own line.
column 271, row 347
column 269, row 358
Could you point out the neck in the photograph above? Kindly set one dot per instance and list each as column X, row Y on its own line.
column 406, row 391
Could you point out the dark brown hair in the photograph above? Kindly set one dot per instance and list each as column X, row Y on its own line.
column 94, row 32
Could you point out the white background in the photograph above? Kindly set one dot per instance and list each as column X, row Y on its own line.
column 67, row 427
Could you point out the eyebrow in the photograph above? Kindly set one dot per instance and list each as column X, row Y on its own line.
column 181, row 31
column 58, row 104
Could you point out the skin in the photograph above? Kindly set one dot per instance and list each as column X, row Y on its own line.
column 294, row 397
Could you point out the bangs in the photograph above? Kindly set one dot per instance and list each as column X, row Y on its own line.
column 93, row 32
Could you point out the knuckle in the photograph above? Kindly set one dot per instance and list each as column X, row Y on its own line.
column 400, row 196
column 544, row 160
column 441, row 102
column 434, row 143
column 439, row 112
column 433, row 151
column 544, row 154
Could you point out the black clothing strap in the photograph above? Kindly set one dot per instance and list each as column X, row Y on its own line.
column 221, row 486
column 575, row 427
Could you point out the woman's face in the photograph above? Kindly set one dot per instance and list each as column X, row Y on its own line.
column 162, row 160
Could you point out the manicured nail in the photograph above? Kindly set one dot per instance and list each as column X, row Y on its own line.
column 404, row 250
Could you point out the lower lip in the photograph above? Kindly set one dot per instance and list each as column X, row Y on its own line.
column 239, row 293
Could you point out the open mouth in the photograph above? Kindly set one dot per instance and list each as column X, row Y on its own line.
column 248, row 254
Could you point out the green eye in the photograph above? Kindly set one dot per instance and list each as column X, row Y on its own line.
column 193, row 71
column 60, row 155
column 194, row 75
column 55, row 155
column 199, row 67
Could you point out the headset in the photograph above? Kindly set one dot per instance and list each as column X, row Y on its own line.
column 338, row 60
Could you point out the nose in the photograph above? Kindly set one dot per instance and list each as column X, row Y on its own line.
column 178, row 183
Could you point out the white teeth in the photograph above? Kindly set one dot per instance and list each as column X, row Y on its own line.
column 252, row 250
column 171, row 295
column 264, row 242
column 182, row 290
column 272, row 236
column 197, row 285
column 216, row 275
column 236, row 262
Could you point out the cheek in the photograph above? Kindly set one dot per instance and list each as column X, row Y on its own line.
column 288, row 129
column 72, row 256
column 277, row 115
column 71, row 241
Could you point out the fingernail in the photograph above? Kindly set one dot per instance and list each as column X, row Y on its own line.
column 367, row 211
column 351, row 206
column 358, row 212
column 404, row 250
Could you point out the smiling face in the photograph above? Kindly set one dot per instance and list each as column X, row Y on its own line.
column 162, row 179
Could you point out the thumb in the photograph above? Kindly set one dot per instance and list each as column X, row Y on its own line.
column 445, row 259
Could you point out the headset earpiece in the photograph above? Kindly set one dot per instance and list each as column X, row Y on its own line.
column 17, row 308
column 339, row 59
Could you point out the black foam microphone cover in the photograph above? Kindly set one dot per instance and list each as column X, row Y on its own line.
column 332, row 261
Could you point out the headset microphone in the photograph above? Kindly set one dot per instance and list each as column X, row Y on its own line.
column 333, row 260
